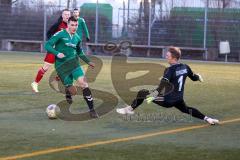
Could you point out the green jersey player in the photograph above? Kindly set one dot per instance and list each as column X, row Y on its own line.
column 82, row 27
column 65, row 45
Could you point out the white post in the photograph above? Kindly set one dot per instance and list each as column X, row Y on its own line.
column 60, row 4
column 149, row 28
column 124, row 20
column 44, row 26
column 226, row 57
column 205, row 30
column 96, row 25
column 128, row 15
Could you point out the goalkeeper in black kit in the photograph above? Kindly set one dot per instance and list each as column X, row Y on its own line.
column 176, row 74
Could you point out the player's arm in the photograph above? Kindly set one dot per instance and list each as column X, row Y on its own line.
column 82, row 55
column 162, row 84
column 51, row 42
column 85, row 29
column 53, row 28
column 165, row 79
column 193, row 76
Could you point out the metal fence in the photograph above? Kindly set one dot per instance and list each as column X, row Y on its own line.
column 197, row 26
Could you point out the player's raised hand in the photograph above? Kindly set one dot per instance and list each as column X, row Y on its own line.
column 60, row 55
column 200, row 77
column 91, row 64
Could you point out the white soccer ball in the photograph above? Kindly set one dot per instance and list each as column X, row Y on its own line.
column 52, row 111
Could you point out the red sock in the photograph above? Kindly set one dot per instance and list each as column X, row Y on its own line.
column 40, row 74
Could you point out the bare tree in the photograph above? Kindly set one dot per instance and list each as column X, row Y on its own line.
column 220, row 3
column 74, row 4
column 6, row 2
column 216, row 26
column 6, row 5
column 68, row 3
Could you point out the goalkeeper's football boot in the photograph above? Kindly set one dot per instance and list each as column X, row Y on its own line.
column 125, row 110
column 211, row 121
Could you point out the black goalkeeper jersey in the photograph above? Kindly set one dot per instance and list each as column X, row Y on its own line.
column 177, row 74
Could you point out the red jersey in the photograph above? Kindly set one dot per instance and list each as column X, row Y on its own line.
column 50, row 58
column 61, row 26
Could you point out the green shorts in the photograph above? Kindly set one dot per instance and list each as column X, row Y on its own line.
column 74, row 75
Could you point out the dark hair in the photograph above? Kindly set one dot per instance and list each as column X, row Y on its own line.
column 72, row 18
column 75, row 9
column 175, row 52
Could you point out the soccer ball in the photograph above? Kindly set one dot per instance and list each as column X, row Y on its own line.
column 52, row 111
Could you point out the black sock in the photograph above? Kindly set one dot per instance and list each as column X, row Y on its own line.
column 136, row 102
column 196, row 113
column 88, row 98
column 142, row 94
column 189, row 110
column 68, row 95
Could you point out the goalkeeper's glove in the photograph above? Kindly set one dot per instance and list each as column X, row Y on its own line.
column 199, row 77
column 149, row 99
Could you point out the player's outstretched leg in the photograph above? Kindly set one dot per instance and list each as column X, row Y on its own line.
column 39, row 76
column 141, row 95
column 195, row 113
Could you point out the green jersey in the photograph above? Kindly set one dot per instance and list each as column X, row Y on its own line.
column 82, row 27
column 69, row 45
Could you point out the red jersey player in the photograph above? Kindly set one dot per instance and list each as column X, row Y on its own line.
column 50, row 58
